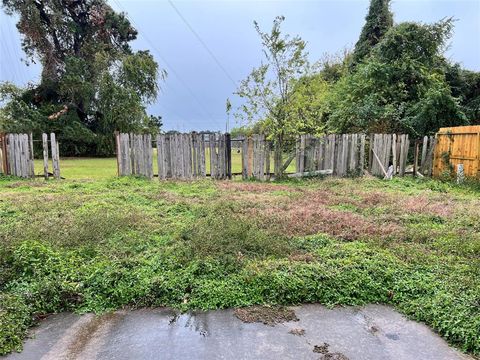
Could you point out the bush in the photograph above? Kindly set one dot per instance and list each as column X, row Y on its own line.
column 15, row 318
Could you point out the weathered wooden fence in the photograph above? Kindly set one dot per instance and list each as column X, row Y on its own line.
column 179, row 156
column 388, row 150
column 134, row 154
column 429, row 143
column 196, row 155
column 339, row 155
column 458, row 146
column 17, row 156
column 55, row 156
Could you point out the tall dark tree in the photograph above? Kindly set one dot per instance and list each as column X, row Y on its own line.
column 379, row 19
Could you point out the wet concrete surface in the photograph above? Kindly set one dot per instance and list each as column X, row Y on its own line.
column 371, row 332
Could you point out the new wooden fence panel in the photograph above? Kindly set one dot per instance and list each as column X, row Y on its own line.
column 458, row 145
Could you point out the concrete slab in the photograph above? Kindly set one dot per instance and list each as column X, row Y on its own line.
column 371, row 332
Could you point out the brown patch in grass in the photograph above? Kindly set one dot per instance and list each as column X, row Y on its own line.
column 254, row 198
column 323, row 349
column 305, row 218
column 268, row 315
column 424, row 205
column 308, row 258
column 253, row 187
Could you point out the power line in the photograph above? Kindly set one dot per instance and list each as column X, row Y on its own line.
column 9, row 47
column 174, row 72
column 205, row 46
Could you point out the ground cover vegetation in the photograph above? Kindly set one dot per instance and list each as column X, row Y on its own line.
column 127, row 242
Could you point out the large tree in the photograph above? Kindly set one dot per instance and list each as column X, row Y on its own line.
column 269, row 89
column 91, row 80
column 401, row 87
column 379, row 19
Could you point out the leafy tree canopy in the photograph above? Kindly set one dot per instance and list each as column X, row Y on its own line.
column 269, row 89
column 91, row 83
column 401, row 86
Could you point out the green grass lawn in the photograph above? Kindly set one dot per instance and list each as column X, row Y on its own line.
column 99, row 245
column 104, row 168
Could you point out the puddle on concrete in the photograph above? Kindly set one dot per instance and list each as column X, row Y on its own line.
column 317, row 333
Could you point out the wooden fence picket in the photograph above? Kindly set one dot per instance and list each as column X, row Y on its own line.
column 183, row 156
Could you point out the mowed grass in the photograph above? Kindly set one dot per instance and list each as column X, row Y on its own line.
column 100, row 245
column 104, row 168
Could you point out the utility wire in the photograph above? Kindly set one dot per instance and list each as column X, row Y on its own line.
column 9, row 50
column 205, row 46
column 174, row 72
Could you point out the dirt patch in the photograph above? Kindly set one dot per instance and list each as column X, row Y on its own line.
column 334, row 356
column 253, row 187
column 297, row 332
column 321, row 349
column 308, row 258
column 268, row 315
column 326, row 354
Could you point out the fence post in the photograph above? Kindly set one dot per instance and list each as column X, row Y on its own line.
column 433, row 142
column 424, row 155
column 55, row 156
column 267, row 159
column 415, row 157
column 228, row 141
column 32, row 156
column 362, row 155
column 3, row 138
column 45, row 155
column 250, row 156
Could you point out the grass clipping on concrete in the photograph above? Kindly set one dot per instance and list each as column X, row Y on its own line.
column 101, row 245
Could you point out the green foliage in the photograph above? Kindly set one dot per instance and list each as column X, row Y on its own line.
column 92, row 83
column 308, row 105
column 465, row 86
column 267, row 91
column 15, row 318
column 217, row 233
column 399, row 88
column 378, row 21
column 196, row 246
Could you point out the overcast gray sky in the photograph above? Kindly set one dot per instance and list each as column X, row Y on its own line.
column 193, row 96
